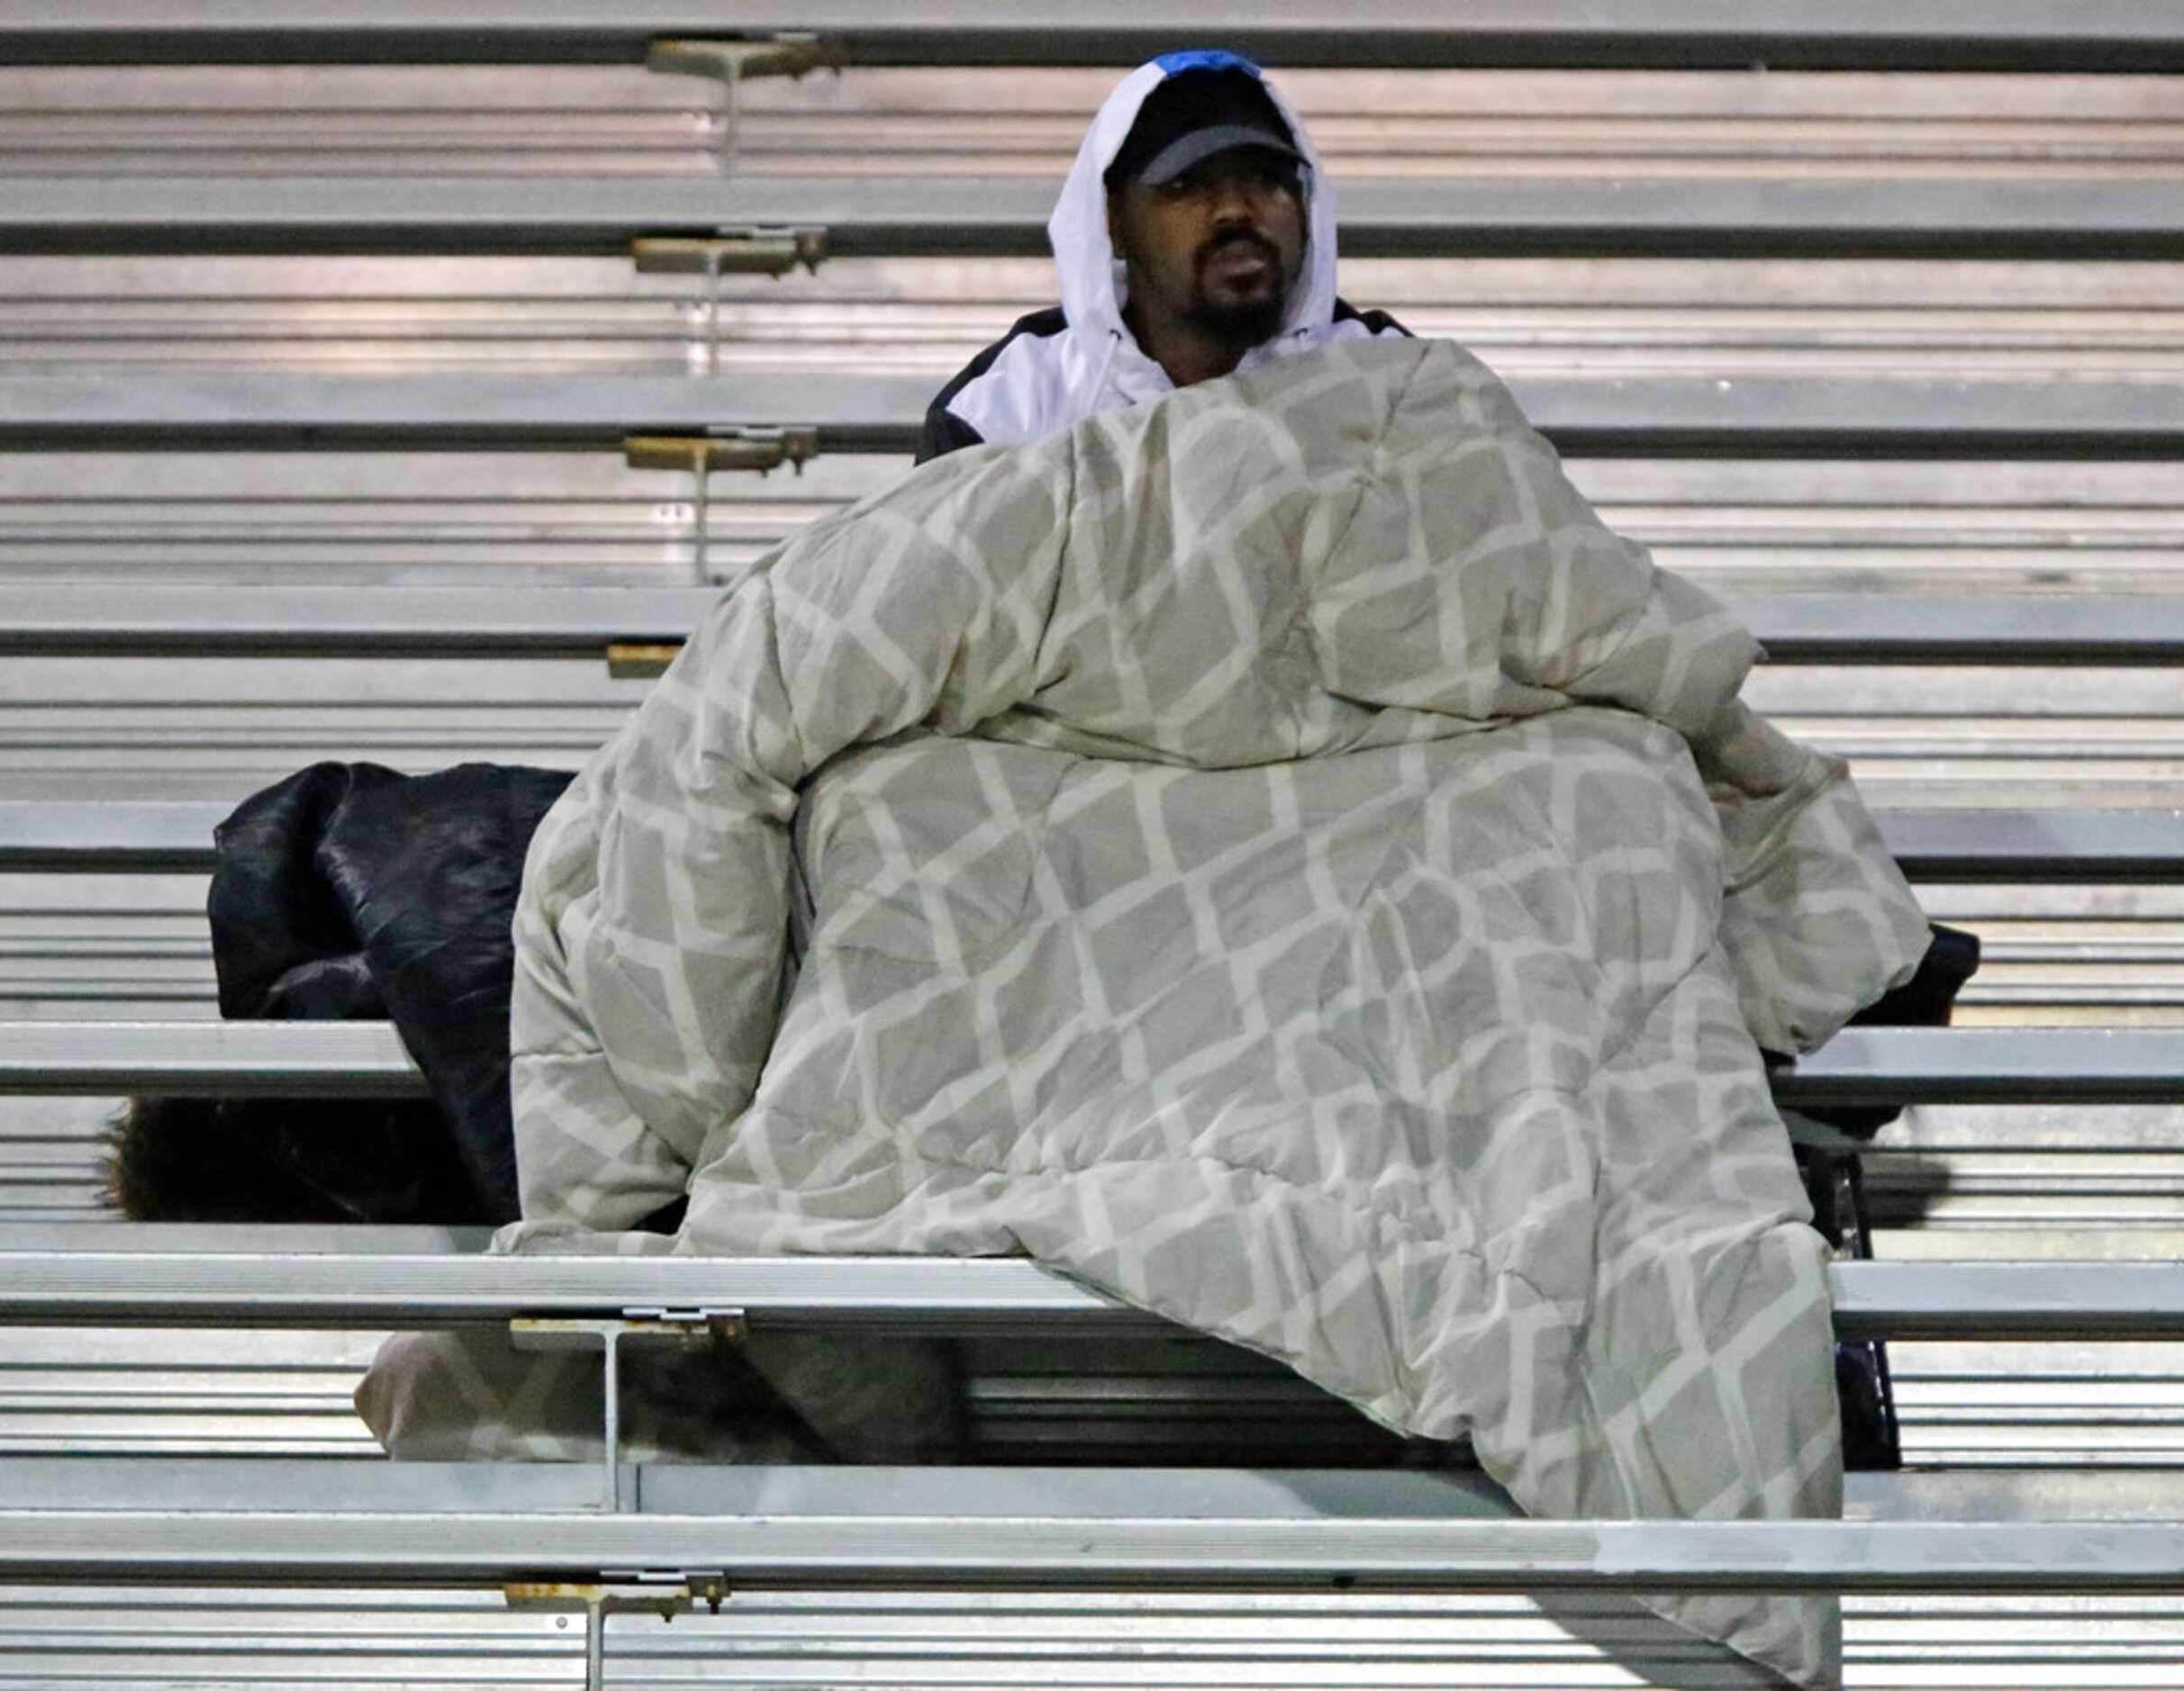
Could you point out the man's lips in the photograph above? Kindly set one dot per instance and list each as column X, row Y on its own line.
column 1239, row 261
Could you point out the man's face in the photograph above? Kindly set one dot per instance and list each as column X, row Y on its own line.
column 1217, row 248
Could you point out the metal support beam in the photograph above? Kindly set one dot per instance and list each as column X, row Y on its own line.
column 1683, row 34
column 699, row 456
column 683, row 1328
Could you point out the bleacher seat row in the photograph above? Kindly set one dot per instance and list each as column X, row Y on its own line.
column 1959, row 845
column 315, row 622
column 1913, row 33
column 173, row 1423
column 895, row 217
column 1593, row 418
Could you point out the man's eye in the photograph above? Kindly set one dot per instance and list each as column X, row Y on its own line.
column 1259, row 180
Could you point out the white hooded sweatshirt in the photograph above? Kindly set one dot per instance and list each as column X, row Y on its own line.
column 1058, row 367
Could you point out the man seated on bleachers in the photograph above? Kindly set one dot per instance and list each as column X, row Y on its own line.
column 1195, row 237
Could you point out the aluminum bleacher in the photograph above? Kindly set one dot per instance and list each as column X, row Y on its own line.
column 321, row 348
column 1958, row 845
column 1612, row 418
column 348, row 1059
column 2032, row 34
column 58, row 619
column 887, row 217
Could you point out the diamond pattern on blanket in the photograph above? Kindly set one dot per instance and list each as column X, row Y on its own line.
column 1274, row 855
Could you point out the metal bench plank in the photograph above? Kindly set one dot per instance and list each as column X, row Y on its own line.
column 224, row 1058
column 158, row 620
column 349, row 1484
column 369, row 1483
column 883, row 216
column 238, row 410
column 135, row 836
column 1988, row 1065
column 1944, row 629
column 1683, row 33
column 282, row 620
column 1170, row 1549
column 213, row 1638
column 1962, row 846
column 56, row 1274
column 2044, row 846
column 1860, row 1065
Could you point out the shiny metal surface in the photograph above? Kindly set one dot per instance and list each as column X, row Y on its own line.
column 1233, row 1492
column 300, row 620
column 1743, row 123
column 53, row 1275
column 285, row 1640
column 1556, row 31
column 1962, row 845
column 1860, row 1065
column 1089, row 1542
column 1611, row 416
column 874, row 216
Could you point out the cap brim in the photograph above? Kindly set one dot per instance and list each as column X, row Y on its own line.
column 1186, row 150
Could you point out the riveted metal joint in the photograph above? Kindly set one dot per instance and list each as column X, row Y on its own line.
column 661, row 1592
column 731, row 62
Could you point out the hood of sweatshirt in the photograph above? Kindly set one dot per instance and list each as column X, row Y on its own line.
column 1101, row 363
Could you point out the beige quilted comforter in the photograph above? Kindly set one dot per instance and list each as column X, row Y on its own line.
column 1273, row 854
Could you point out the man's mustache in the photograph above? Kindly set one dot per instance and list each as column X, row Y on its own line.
column 1257, row 242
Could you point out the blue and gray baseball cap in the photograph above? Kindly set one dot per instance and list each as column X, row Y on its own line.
column 1211, row 100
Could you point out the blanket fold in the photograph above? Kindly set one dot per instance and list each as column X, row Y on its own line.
column 1275, row 854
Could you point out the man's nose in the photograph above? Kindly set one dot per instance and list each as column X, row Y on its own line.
column 1232, row 199
column 1232, row 203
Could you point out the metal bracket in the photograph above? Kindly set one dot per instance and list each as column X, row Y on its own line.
column 581, row 1333
column 1848, row 1190
column 733, row 249
column 750, row 251
column 727, row 1325
column 729, row 447
column 617, row 1592
column 730, row 63
column 638, row 660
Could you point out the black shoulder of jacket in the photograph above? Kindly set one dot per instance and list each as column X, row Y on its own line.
column 946, row 433
column 1379, row 322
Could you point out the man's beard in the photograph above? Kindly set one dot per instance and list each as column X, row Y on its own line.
column 1242, row 324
